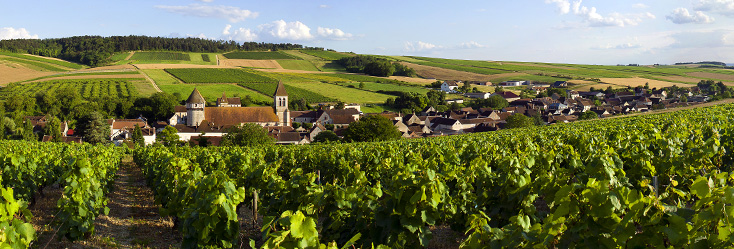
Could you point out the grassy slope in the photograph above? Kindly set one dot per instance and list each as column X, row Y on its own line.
column 211, row 92
column 195, row 59
column 320, row 63
column 54, row 62
column 297, row 65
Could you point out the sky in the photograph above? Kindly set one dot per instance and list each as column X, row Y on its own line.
column 600, row 32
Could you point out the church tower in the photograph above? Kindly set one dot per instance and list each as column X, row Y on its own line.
column 195, row 108
column 280, row 102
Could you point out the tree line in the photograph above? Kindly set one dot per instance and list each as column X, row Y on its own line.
column 375, row 66
column 97, row 50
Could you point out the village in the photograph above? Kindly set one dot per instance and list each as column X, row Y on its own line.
column 195, row 119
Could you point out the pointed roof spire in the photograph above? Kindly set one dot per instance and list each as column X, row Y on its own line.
column 196, row 98
column 224, row 95
column 280, row 91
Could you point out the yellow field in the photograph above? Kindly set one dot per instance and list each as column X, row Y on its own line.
column 14, row 72
column 250, row 63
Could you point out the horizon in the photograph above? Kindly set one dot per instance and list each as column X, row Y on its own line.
column 592, row 32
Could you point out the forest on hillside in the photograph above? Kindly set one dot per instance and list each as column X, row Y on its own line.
column 96, row 50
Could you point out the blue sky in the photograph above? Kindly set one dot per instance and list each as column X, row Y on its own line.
column 564, row 31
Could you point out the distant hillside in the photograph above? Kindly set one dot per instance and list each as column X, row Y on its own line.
column 96, row 50
column 702, row 63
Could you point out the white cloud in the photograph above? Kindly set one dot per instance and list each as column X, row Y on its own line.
column 682, row 16
column 724, row 7
column 226, row 29
column 232, row 14
column 333, row 34
column 594, row 19
column 564, row 6
column 703, row 39
column 640, row 6
column 324, row 6
column 8, row 33
column 286, row 30
column 471, row 44
column 420, row 46
column 621, row 46
column 206, row 1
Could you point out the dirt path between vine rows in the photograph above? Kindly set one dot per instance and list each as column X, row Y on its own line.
column 133, row 221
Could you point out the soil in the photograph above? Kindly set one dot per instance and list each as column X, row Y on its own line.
column 679, row 78
column 166, row 66
column 133, row 221
column 113, row 76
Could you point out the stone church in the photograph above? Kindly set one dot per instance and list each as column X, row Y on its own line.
column 196, row 117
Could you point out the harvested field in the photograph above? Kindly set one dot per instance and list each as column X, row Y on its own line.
column 448, row 74
column 633, row 82
column 597, row 86
column 167, row 66
column 14, row 73
column 109, row 68
column 287, row 71
column 719, row 76
column 250, row 63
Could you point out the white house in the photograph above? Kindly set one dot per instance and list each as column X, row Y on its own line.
column 478, row 95
column 513, row 83
column 449, row 86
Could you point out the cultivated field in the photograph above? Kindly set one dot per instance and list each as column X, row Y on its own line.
column 88, row 88
column 275, row 55
column 160, row 56
column 708, row 75
column 12, row 72
column 633, row 82
column 341, row 93
column 449, row 74
column 301, row 65
column 169, row 84
column 325, row 55
column 218, row 75
column 249, row 63
column 374, row 87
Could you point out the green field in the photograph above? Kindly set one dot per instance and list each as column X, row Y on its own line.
column 83, row 73
column 211, row 92
column 55, row 62
column 374, row 87
column 297, row 65
column 119, row 56
column 160, row 56
column 40, row 66
column 342, row 93
column 275, row 55
column 325, row 55
column 218, row 75
column 294, row 93
column 88, row 88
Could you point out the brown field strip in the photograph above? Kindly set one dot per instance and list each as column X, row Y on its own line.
column 14, row 73
column 167, row 66
column 633, row 82
column 719, row 76
column 448, row 74
column 250, row 63
column 81, row 77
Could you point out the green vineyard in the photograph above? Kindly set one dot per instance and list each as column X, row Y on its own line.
column 652, row 181
column 88, row 88
column 217, row 75
column 655, row 181
column 295, row 93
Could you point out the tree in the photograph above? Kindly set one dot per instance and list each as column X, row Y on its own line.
column 372, row 128
column 499, row 89
column 361, row 85
column 93, row 128
column 329, row 127
column 560, row 91
column 202, row 140
column 137, row 137
column 518, row 120
column 436, row 98
column 381, row 68
column 683, row 99
column 295, row 125
column 248, row 134
column 307, row 125
column 53, row 129
column 588, row 115
column 495, row 102
column 326, row 136
column 168, row 137
column 339, row 105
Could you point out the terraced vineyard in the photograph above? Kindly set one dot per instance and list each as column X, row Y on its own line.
column 275, row 55
column 36, row 59
column 88, row 88
column 218, row 75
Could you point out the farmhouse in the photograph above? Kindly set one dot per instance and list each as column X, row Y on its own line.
column 449, row 86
